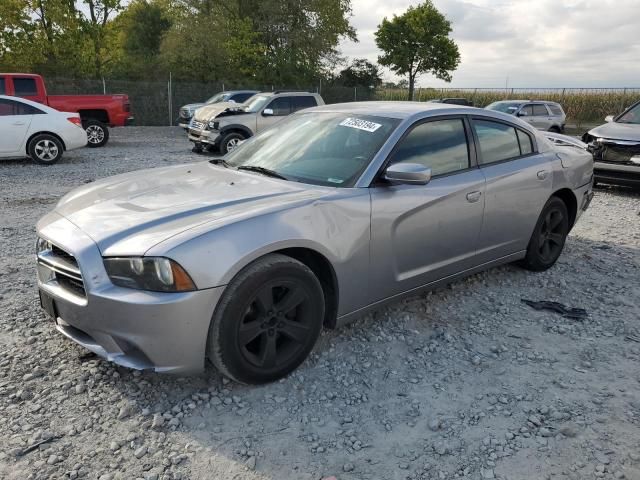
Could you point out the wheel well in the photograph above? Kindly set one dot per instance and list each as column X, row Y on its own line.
column 570, row 201
column 246, row 133
column 64, row 147
column 322, row 268
column 100, row 115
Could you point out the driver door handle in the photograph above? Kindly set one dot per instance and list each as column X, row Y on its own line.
column 473, row 197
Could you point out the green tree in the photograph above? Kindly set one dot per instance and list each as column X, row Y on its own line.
column 418, row 42
column 361, row 72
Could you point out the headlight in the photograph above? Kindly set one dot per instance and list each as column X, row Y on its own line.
column 157, row 274
column 42, row 245
column 213, row 125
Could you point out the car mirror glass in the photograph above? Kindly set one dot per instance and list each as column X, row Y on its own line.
column 408, row 173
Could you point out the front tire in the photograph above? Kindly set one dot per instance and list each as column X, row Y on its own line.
column 97, row 133
column 45, row 149
column 230, row 142
column 267, row 321
column 549, row 236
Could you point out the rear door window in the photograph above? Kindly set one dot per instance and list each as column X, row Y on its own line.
column 24, row 86
column 497, row 141
column 12, row 107
column 300, row 103
column 540, row 111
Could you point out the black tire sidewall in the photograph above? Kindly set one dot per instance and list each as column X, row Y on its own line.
column 32, row 148
column 105, row 129
column 226, row 138
column 223, row 348
column 533, row 260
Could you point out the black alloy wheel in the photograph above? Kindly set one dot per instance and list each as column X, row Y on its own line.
column 549, row 236
column 267, row 320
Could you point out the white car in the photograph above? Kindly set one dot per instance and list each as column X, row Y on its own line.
column 30, row 129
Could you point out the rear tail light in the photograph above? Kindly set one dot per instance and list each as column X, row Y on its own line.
column 75, row 121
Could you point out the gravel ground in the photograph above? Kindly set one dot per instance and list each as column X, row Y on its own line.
column 464, row 382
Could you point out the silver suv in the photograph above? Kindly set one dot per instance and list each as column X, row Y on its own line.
column 541, row 114
column 231, row 96
column 222, row 127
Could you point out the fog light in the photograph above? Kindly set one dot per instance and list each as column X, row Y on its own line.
column 635, row 159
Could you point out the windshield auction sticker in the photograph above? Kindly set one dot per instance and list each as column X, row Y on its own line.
column 360, row 124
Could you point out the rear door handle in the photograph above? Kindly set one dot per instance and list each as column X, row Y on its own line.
column 543, row 174
column 18, row 123
column 473, row 197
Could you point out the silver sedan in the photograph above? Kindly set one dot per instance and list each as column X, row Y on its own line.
column 341, row 208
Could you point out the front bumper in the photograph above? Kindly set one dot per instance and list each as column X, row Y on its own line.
column 616, row 161
column 617, row 174
column 165, row 332
column 208, row 137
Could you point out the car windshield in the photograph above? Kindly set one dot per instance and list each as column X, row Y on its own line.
column 631, row 116
column 217, row 98
column 504, row 107
column 321, row 148
column 255, row 103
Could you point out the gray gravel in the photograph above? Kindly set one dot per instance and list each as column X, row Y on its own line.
column 465, row 382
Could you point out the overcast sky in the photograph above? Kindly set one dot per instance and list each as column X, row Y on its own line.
column 535, row 43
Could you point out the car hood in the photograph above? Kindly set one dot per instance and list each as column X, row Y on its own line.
column 619, row 131
column 192, row 106
column 128, row 214
column 210, row 111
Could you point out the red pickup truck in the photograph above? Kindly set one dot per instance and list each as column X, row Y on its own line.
column 97, row 112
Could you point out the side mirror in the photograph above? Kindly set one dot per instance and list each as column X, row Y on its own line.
column 267, row 112
column 608, row 118
column 522, row 113
column 408, row 173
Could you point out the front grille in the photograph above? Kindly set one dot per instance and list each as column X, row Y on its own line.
column 64, row 269
column 197, row 125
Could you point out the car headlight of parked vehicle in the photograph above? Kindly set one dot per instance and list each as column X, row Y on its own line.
column 213, row 125
column 156, row 274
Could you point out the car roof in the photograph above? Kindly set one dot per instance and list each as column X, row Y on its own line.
column 522, row 102
column 394, row 109
column 240, row 91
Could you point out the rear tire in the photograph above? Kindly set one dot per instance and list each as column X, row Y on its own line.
column 555, row 129
column 549, row 236
column 97, row 133
column 231, row 141
column 45, row 149
column 267, row 321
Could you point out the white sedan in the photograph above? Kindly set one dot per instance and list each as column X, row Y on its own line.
column 30, row 129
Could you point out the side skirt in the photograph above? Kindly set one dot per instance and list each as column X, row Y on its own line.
column 349, row 317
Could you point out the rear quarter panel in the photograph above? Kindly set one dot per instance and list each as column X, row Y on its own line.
column 112, row 104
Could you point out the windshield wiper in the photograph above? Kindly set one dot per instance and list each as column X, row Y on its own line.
column 262, row 170
column 220, row 161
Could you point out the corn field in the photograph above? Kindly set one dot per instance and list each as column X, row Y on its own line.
column 583, row 106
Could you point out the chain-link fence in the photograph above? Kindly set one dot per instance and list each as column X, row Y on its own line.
column 158, row 102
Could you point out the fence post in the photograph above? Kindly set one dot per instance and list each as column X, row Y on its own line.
column 104, row 87
column 170, row 101
column 624, row 100
column 355, row 94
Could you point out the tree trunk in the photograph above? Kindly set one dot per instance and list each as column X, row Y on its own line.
column 412, row 84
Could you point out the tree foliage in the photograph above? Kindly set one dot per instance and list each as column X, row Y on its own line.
column 280, row 42
column 418, row 42
column 361, row 73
